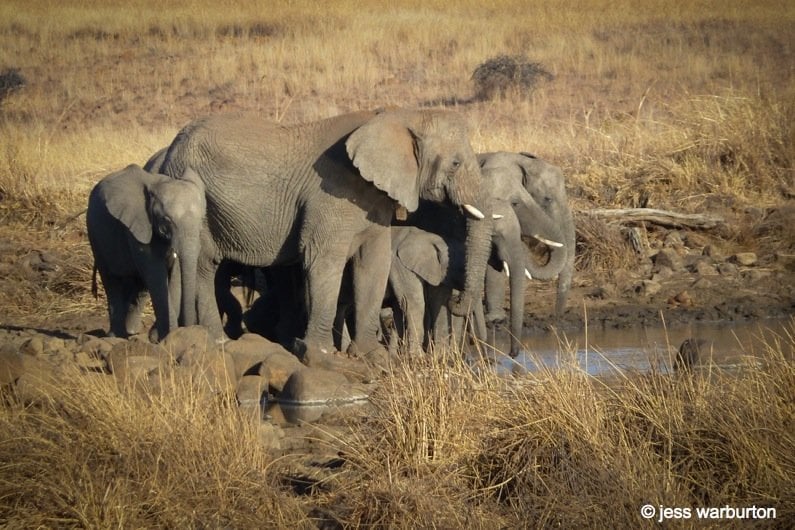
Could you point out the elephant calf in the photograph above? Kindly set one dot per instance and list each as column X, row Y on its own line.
column 138, row 224
column 426, row 270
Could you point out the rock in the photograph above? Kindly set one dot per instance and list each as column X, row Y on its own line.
column 11, row 365
column 682, row 299
column 712, row 252
column 745, row 259
column 34, row 346
column 727, row 269
column 188, row 339
column 646, row 287
column 251, row 350
column 317, row 386
column 704, row 268
column 251, row 390
column 673, row 240
column 667, row 257
column 278, row 367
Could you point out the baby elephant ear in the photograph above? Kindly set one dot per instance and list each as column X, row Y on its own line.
column 125, row 194
column 426, row 257
column 383, row 150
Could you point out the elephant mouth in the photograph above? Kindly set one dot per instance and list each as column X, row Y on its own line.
column 536, row 250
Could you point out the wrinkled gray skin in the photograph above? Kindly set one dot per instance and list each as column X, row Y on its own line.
column 138, row 224
column 426, row 270
column 321, row 193
column 521, row 216
column 545, row 184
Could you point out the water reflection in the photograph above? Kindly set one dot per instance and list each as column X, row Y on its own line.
column 605, row 352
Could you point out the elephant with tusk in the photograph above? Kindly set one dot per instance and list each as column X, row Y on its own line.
column 545, row 183
column 322, row 194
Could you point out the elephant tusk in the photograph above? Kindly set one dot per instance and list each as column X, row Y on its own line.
column 527, row 273
column 548, row 242
column 497, row 216
column 505, row 269
column 474, row 212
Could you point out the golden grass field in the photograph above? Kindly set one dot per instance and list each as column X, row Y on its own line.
column 687, row 106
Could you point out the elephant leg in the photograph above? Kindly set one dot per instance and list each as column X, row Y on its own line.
column 370, row 270
column 437, row 318
column 495, row 295
column 118, row 303
column 136, row 297
column 323, row 279
column 228, row 305
column 206, row 306
column 155, row 273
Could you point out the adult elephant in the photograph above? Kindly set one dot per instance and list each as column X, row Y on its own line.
column 137, row 223
column 545, row 183
column 517, row 216
column 321, row 193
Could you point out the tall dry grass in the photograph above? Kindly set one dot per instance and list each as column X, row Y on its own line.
column 88, row 452
column 456, row 448
column 440, row 446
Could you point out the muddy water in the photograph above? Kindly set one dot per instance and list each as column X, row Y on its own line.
column 601, row 352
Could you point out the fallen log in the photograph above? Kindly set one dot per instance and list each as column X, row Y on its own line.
column 660, row 217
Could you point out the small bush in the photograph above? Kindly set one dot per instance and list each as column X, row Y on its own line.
column 500, row 75
column 10, row 80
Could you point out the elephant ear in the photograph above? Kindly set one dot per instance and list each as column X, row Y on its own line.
column 126, row 197
column 383, row 150
column 427, row 260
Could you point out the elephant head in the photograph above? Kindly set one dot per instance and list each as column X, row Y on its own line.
column 413, row 155
column 155, row 207
column 537, row 192
column 544, row 183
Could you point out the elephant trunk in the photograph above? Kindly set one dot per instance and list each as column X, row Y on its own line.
column 536, row 223
column 566, row 274
column 188, row 256
column 478, row 250
column 517, row 292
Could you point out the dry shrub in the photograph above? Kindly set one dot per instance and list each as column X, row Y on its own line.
column 503, row 74
column 405, row 460
column 94, row 454
column 601, row 246
column 10, row 80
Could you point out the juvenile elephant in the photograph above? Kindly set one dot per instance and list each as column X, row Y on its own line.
column 517, row 215
column 425, row 271
column 545, row 184
column 138, row 224
column 321, row 193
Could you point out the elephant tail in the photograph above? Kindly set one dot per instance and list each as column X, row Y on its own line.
column 94, row 281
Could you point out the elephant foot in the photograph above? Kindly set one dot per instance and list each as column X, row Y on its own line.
column 495, row 318
column 355, row 370
column 378, row 358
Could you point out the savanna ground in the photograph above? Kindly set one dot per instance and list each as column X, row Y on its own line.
column 681, row 106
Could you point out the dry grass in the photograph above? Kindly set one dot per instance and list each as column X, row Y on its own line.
column 448, row 448
column 441, row 446
column 90, row 453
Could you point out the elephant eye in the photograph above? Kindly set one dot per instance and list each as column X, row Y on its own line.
column 455, row 164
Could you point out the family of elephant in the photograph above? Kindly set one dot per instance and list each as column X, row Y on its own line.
column 360, row 205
